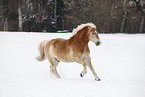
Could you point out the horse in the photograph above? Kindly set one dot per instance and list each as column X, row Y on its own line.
column 74, row 49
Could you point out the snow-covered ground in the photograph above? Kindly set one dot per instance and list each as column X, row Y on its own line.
column 119, row 61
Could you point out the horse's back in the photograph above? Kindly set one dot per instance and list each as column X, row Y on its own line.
column 57, row 48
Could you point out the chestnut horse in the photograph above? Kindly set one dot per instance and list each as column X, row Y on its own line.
column 74, row 49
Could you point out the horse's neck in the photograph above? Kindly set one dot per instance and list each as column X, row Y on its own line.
column 79, row 42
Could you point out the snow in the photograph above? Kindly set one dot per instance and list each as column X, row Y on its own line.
column 119, row 61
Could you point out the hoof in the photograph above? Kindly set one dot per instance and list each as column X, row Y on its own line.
column 81, row 74
column 97, row 79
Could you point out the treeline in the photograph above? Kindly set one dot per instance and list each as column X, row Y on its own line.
column 110, row 16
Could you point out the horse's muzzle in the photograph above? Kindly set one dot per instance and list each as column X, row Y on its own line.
column 98, row 43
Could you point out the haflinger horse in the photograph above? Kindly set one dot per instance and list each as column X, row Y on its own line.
column 74, row 49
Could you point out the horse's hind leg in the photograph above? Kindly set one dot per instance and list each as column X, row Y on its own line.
column 53, row 66
column 53, row 69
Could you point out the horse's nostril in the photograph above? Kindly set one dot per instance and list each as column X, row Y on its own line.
column 98, row 43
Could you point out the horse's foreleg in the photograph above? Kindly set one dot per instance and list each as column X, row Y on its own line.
column 94, row 73
column 84, row 70
column 87, row 61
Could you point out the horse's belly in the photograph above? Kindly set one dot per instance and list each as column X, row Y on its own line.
column 66, row 59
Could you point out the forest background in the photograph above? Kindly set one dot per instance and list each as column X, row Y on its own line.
column 110, row 16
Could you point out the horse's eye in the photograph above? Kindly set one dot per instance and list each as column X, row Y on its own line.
column 93, row 33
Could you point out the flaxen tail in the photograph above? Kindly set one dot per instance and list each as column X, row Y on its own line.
column 41, row 51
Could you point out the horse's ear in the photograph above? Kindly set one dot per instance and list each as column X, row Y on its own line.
column 89, row 27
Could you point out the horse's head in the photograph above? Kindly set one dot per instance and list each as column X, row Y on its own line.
column 88, row 30
column 93, row 36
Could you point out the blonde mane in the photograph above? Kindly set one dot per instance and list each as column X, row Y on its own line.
column 80, row 27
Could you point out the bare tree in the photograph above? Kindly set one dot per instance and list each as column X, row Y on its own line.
column 1, row 14
column 141, row 12
column 20, row 15
column 124, row 16
column 4, row 14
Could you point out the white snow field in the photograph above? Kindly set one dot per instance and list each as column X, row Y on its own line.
column 119, row 61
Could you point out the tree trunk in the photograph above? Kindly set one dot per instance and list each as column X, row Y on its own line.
column 123, row 21
column 6, row 24
column 20, row 16
column 40, row 10
column 55, row 9
column 141, row 12
column 141, row 25
column 124, row 17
